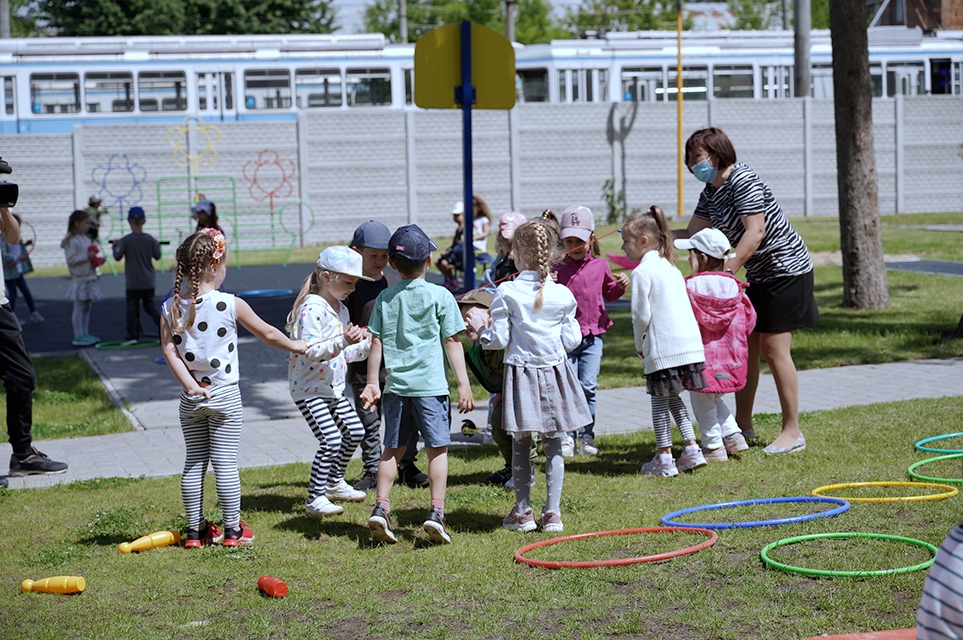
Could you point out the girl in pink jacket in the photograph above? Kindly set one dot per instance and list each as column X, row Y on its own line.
column 726, row 318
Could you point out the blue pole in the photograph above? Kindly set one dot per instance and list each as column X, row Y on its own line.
column 467, row 99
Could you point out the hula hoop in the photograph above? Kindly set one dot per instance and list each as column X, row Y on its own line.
column 264, row 293
column 546, row 564
column 921, row 445
column 842, row 506
column 952, row 456
column 764, row 554
column 949, row 491
column 116, row 344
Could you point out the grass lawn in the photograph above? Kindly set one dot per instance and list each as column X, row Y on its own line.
column 342, row 587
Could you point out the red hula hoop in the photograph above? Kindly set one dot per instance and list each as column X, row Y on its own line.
column 520, row 554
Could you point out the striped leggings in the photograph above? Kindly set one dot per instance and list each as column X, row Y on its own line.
column 336, row 425
column 212, row 432
column 662, row 406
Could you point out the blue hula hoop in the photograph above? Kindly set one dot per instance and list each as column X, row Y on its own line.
column 264, row 293
column 921, row 445
column 842, row 505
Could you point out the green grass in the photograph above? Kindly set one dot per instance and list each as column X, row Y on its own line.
column 341, row 587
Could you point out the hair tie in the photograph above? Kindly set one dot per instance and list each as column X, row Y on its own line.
column 177, row 295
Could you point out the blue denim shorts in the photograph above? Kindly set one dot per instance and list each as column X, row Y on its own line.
column 431, row 415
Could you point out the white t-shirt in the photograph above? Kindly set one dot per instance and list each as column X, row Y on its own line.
column 209, row 346
column 477, row 230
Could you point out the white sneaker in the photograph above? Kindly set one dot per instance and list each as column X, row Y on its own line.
column 568, row 446
column 344, row 491
column 321, row 506
column 691, row 459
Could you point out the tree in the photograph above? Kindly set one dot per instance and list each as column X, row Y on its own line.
column 766, row 14
column 864, row 274
column 623, row 15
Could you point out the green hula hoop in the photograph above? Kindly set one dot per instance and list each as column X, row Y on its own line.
column 115, row 344
column 952, row 456
column 921, row 445
column 764, row 554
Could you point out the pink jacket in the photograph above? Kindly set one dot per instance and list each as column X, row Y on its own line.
column 726, row 318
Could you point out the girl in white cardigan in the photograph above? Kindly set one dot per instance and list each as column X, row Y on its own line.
column 80, row 255
column 666, row 336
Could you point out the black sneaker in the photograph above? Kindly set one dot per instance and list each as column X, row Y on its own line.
column 411, row 476
column 380, row 525
column 35, row 464
column 368, row 482
column 437, row 528
column 499, row 477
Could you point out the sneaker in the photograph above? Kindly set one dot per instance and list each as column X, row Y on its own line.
column 344, row 491
column 368, row 482
column 499, row 477
column 749, row 434
column 210, row 534
column 568, row 446
column 735, row 443
column 552, row 522
column 715, row 455
column 380, row 525
column 240, row 536
column 587, row 445
column 691, row 459
column 321, row 506
column 524, row 521
column 510, row 484
column 81, row 341
column 129, row 343
column 36, row 318
column 437, row 528
column 661, row 465
column 411, row 476
column 35, row 464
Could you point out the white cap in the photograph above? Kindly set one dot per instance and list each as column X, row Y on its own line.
column 709, row 241
column 340, row 259
column 458, row 209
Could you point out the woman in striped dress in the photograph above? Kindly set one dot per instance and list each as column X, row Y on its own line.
column 778, row 267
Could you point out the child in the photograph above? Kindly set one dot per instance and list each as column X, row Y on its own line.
column 726, row 318
column 199, row 341
column 452, row 260
column 533, row 319
column 318, row 377
column 503, row 268
column 371, row 241
column 205, row 213
column 16, row 264
column 415, row 324
column 666, row 337
column 84, row 288
column 138, row 249
column 590, row 280
column 96, row 211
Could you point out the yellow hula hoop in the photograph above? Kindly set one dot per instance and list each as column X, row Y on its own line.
column 949, row 491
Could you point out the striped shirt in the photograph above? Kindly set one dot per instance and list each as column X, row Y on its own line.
column 782, row 251
column 940, row 614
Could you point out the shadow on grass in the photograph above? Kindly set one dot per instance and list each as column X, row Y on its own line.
column 271, row 502
column 105, row 540
column 313, row 529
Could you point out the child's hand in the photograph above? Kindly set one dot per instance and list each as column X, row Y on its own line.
column 197, row 390
column 299, row 347
column 466, row 402
column 354, row 334
column 370, row 397
column 554, row 275
column 622, row 279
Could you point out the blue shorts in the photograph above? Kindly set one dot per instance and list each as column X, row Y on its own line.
column 403, row 415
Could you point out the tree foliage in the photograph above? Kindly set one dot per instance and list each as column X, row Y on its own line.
column 767, row 14
column 623, row 15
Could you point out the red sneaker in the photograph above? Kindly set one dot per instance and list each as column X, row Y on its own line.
column 209, row 534
column 240, row 536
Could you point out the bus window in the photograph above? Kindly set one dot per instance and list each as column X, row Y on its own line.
column 941, row 76
column 603, row 94
column 318, row 87
column 534, row 85
column 167, row 88
column 642, row 84
column 732, row 81
column 267, row 88
column 110, row 91
column 55, row 93
column 368, row 87
column 409, row 87
column 905, row 78
column 694, row 83
column 822, row 79
column 876, row 80
column 778, row 82
column 8, row 99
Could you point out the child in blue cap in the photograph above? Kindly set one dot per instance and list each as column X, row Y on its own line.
column 138, row 249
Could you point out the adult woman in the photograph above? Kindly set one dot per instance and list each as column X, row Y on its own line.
column 778, row 266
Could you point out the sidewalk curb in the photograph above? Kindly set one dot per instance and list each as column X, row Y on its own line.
column 112, row 392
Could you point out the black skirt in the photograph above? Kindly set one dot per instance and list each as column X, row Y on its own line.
column 673, row 381
column 785, row 304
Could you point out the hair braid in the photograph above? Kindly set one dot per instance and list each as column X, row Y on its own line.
column 544, row 260
column 194, row 256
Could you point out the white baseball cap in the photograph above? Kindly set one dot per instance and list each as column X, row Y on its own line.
column 709, row 241
column 341, row 259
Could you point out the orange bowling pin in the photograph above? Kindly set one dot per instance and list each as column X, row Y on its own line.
column 273, row 587
column 154, row 540
column 59, row 584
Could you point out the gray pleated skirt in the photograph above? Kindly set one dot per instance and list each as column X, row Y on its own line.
column 543, row 400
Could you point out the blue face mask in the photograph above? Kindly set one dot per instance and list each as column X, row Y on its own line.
column 703, row 172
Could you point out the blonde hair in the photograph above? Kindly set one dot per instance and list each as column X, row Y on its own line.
column 194, row 260
column 652, row 223
column 538, row 245
column 313, row 284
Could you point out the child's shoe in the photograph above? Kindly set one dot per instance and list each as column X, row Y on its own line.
column 240, row 536
column 691, row 459
column 368, row 482
column 749, row 434
column 437, row 528
column 587, row 445
column 661, row 465
column 380, row 525
column 551, row 521
column 321, row 506
column 524, row 521
column 735, row 443
column 715, row 455
column 36, row 318
column 209, row 534
column 568, row 446
column 499, row 477
column 344, row 491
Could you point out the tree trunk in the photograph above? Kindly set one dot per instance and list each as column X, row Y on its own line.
column 864, row 274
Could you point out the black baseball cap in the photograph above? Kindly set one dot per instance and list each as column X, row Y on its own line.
column 410, row 243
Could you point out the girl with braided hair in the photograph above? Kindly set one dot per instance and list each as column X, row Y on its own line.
column 533, row 319
column 199, row 341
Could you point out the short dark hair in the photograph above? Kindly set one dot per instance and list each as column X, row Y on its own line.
column 714, row 142
column 406, row 267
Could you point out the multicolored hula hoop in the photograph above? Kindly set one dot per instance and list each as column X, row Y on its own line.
column 764, row 554
column 921, row 445
column 949, row 491
column 842, row 506
column 952, row 456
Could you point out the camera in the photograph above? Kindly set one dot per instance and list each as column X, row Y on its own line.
column 9, row 192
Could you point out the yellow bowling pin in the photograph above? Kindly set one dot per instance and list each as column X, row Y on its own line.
column 58, row 584
column 154, row 540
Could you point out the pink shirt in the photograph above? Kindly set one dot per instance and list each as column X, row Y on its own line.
column 590, row 281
